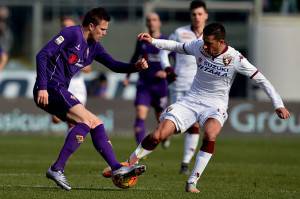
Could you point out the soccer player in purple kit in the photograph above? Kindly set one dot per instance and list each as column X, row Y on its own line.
column 57, row 62
column 152, row 86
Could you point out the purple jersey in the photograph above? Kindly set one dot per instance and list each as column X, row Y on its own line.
column 68, row 52
column 151, row 54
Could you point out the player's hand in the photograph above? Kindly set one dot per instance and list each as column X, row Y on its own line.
column 141, row 64
column 171, row 75
column 282, row 113
column 145, row 37
column 161, row 74
column 126, row 82
column 42, row 97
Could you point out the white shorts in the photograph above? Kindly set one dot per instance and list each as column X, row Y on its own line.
column 185, row 113
column 78, row 89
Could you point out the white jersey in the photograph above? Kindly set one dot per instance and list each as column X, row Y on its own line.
column 78, row 89
column 215, row 75
column 185, row 65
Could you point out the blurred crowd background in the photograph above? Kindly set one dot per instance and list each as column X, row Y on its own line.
column 265, row 31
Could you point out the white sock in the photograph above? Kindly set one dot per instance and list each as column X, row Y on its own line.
column 139, row 153
column 190, row 146
column 201, row 162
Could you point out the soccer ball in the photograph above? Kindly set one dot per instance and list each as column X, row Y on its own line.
column 125, row 182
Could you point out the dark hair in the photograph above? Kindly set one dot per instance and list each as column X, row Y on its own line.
column 197, row 4
column 94, row 16
column 215, row 29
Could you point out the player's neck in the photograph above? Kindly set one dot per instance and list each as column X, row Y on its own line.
column 155, row 34
column 85, row 33
column 198, row 30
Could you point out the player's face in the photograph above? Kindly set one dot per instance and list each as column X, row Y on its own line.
column 198, row 17
column 153, row 23
column 99, row 31
column 212, row 46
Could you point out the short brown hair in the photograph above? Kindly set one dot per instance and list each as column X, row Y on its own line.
column 215, row 29
column 198, row 4
column 94, row 16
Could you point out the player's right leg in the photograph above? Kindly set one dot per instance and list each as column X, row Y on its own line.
column 101, row 141
column 165, row 129
column 176, row 118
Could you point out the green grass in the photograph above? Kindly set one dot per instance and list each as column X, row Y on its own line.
column 244, row 167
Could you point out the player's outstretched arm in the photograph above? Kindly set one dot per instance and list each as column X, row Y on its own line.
column 246, row 68
column 163, row 43
column 120, row 67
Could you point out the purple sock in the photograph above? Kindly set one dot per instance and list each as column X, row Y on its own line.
column 139, row 128
column 73, row 140
column 102, row 144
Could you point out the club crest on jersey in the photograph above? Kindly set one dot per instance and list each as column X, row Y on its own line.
column 80, row 139
column 227, row 59
column 73, row 58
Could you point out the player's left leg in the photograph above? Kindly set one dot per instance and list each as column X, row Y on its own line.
column 190, row 145
column 212, row 128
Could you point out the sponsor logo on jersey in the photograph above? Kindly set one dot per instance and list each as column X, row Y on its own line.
column 59, row 40
column 214, row 69
column 73, row 58
column 227, row 59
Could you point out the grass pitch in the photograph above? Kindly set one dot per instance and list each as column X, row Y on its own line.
column 244, row 167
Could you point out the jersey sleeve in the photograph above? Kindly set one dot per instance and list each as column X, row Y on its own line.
column 106, row 59
column 164, row 54
column 62, row 40
column 244, row 67
column 182, row 48
column 191, row 48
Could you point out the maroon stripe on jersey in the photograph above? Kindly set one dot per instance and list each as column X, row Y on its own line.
column 254, row 74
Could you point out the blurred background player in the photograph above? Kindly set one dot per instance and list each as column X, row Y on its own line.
column 207, row 100
column 3, row 59
column 151, row 88
column 77, row 85
column 6, row 38
column 57, row 62
column 185, row 70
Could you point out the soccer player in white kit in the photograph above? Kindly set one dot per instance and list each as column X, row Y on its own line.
column 207, row 101
column 185, row 69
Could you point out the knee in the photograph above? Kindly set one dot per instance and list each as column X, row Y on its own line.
column 92, row 122
column 211, row 134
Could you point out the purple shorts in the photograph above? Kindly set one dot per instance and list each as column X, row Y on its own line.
column 60, row 101
column 155, row 96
